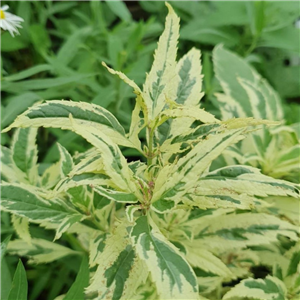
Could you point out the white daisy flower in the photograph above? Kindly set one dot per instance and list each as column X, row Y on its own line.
column 9, row 21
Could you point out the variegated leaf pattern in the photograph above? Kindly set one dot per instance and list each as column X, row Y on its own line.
column 162, row 81
column 27, row 201
column 9, row 171
column 115, row 164
column 21, row 226
column 246, row 93
column 137, row 123
column 24, row 153
column 237, row 186
column 188, row 93
column 169, row 227
column 172, row 274
column 230, row 231
column 270, row 288
column 40, row 250
column 119, row 270
column 56, row 114
column 173, row 180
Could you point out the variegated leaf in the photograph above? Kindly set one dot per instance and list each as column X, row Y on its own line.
column 92, row 162
column 246, row 93
column 130, row 210
column 174, row 180
column 119, row 272
column 201, row 258
column 189, row 69
column 173, row 276
column 142, row 104
column 188, row 93
column 116, row 195
column 286, row 207
column 9, row 171
column 26, row 201
column 270, row 288
column 162, row 81
column 21, row 226
column 58, row 171
column 223, row 232
column 24, row 152
column 66, row 161
column 40, row 250
column 90, row 179
column 56, row 114
column 115, row 164
column 245, row 180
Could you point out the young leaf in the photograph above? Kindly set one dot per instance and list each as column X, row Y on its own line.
column 174, row 180
column 173, row 276
column 162, row 81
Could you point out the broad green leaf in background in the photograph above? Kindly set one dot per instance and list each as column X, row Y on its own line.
column 5, row 278
column 76, row 292
column 19, row 284
column 120, row 9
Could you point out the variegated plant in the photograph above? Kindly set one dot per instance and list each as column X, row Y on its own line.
column 276, row 150
column 163, row 228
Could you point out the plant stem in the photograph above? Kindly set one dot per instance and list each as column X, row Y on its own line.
column 150, row 147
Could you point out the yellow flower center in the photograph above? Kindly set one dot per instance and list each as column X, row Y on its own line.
column 2, row 15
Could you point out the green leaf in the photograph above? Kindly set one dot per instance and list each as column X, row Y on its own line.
column 173, row 276
column 76, row 292
column 120, row 9
column 40, row 38
column 39, row 84
column 29, row 72
column 19, row 284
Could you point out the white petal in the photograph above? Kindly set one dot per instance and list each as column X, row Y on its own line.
column 4, row 7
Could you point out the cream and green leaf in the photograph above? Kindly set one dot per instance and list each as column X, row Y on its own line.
column 165, row 226
column 245, row 94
